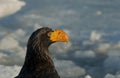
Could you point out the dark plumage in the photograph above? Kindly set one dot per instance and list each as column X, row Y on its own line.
column 38, row 62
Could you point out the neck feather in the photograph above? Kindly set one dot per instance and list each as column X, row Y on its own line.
column 38, row 58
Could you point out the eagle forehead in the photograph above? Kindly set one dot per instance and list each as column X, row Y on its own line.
column 45, row 30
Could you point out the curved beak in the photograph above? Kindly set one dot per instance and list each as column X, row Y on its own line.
column 59, row 36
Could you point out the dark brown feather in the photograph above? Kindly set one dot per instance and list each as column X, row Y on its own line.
column 38, row 62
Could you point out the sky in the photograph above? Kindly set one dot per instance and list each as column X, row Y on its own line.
column 92, row 25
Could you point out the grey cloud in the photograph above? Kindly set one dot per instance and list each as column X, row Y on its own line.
column 12, row 7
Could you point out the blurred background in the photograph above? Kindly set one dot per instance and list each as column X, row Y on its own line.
column 93, row 27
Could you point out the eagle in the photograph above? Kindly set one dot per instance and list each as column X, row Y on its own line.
column 38, row 61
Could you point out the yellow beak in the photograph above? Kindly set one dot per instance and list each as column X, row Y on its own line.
column 58, row 36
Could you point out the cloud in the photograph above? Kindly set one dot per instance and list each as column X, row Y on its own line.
column 13, row 56
column 117, row 46
column 104, row 47
column 107, row 47
column 88, row 76
column 8, row 43
column 85, row 54
column 11, row 51
column 37, row 26
column 117, row 75
column 110, row 76
column 114, row 53
column 9, row 71
column 112, row 64
column 95, row 36
column 99, row 12
column 11, row 39
column 67, row 68
column 8, row 7
column 32, row 19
